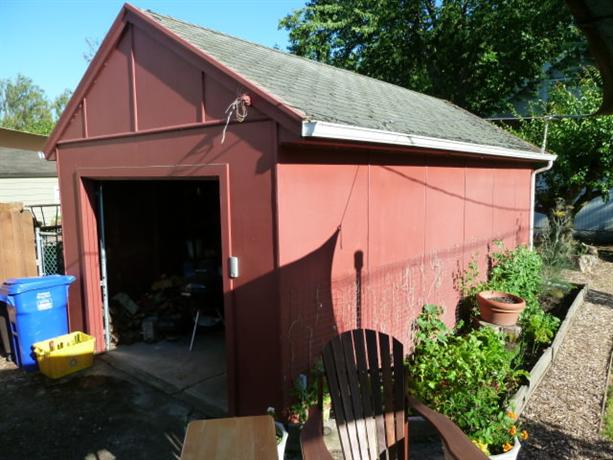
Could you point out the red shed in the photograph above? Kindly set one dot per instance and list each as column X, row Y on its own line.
column 346, row 201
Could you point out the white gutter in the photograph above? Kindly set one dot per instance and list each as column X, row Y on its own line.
column 324, row 129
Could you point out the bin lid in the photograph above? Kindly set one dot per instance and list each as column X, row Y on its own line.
column 14, row 286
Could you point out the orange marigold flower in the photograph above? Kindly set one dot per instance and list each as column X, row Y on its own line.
column 513, row 430
column 523, row 435
column 507, row 447
column 512, row 415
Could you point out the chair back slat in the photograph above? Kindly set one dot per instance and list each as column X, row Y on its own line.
column 399, row 398
column 366, row 380
column 388, row 393
column 356, row 395
column 366, row 391
column 350, row 422
column 372, row 349
column 337, row 403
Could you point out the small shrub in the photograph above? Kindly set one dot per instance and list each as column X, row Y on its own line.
column 538, row 328
column 555, row 243
column 517, row 271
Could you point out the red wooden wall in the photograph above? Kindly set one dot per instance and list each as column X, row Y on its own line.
column 402, row 227
column 153, row 113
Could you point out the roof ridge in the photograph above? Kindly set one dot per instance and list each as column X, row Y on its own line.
column 295, row 56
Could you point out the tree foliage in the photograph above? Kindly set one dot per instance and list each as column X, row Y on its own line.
column 474, row 53
column 25, row 107
column 583, row 143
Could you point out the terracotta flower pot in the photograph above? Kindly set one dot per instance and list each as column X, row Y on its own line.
column 500, row 308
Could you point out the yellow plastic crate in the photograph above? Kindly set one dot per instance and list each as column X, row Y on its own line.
column 65, row 354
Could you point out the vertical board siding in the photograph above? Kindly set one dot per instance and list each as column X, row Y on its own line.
column 108, row 99
column 168, row 89
column 416, row 226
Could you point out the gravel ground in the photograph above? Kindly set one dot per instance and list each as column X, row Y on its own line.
column 563, row 414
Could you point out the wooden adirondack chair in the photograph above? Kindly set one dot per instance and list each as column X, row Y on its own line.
column 366, row 379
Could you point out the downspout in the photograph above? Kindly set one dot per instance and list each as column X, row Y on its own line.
column 532, row 197
column 533, row 182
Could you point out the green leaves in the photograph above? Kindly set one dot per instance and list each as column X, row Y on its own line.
column 466, row 377
column 584, row 144
column 25, row 107
column 518, row 272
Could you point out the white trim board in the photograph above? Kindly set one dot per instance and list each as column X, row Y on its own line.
column 323, row 129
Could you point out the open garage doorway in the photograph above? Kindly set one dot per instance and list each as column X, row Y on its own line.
column 163, row 262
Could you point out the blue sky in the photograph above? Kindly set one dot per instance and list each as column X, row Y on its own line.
column 45, row 39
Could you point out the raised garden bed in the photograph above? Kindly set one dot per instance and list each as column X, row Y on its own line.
column 566, row 309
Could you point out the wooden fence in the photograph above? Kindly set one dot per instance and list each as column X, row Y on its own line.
column 17, row 242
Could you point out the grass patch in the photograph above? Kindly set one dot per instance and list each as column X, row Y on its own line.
column 607, row 426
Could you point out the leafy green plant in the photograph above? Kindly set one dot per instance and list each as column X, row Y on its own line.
column 306, row 395
column 517, row 271
column 538, row 328
column 466, row 377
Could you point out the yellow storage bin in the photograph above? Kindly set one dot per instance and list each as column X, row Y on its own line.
column 65, row 354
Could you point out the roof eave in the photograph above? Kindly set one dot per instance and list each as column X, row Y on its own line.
column 328, row 130
column 22, row 140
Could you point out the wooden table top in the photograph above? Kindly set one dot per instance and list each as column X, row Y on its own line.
column 244, row 438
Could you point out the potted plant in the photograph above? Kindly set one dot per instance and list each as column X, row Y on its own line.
column 500, row 308
column 501, row 439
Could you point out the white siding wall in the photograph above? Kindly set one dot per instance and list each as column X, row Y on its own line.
column 40, row 190
column 29, row 191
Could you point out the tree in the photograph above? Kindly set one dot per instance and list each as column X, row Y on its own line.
column 24, row 106
column 583, row 143
column 474, row 53
column 59, row 103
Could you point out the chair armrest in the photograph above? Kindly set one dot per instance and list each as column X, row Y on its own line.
column 457, row 443
column 311, row 437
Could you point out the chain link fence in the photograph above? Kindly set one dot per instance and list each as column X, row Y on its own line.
column 51, row 252
column 49, row 243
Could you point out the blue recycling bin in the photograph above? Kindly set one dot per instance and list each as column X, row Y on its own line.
column 37, row 310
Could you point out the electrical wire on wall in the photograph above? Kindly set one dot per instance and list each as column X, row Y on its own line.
column 238, row 108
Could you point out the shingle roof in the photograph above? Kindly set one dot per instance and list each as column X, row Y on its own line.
column 24, row 163
column 326, row 93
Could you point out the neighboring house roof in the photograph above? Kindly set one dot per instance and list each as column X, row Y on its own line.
column 595, row 18
column 329, row 94
column 19, row 155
